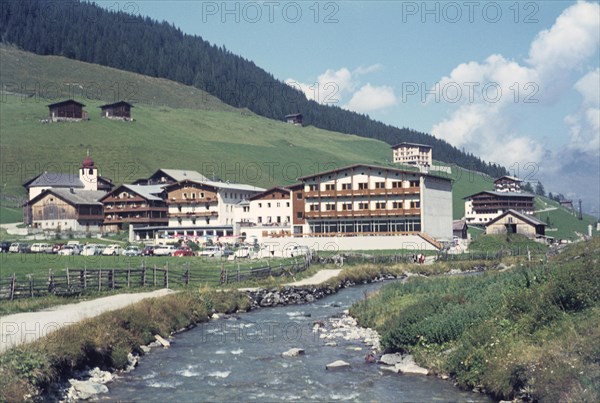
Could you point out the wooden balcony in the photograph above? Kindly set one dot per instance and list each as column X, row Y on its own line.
column 195, row 214
column 145, row 220
column 415, row 190
column 87, row 217
column 132, row 209
column 189, row 201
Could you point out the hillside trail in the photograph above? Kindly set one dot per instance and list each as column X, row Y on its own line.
column 27, row 327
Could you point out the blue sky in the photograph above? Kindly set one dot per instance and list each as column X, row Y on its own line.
column 516, row 83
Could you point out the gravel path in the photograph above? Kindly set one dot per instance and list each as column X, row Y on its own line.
column 318, row 278
column 29, row 326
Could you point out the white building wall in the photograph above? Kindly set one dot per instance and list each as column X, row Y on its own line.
column 436, row 207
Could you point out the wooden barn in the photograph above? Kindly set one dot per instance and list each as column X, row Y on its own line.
column 119, row 110
column 514, row 222
column 294, row 119
column 69, row 110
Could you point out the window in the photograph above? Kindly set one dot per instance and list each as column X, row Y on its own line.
column 299, row 195
column 312, row 188
column 414, row 184
column 268, row 204
column 347, row 206
column 363, row 186
column 396, row 184
column 260, row 220
column 379, row 185
column 363, row 206
column 330, row 186
column 278, row 204
column 314, row 207
column 380, row 205
column 415, row 204
column 259, row 205
column 346, row 186
column 202, row 195
column 299, row 214
column 397, row 204
column 287, row 204
column 194, row 195
column 330, row 207
column 185, row 195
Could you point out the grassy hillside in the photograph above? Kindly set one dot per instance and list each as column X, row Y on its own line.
column 54, row 78
column 563, row 223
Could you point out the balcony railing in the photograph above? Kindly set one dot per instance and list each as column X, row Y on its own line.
column 414, row 190
column 194, row 214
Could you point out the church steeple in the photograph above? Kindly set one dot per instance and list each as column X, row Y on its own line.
column 88, row 173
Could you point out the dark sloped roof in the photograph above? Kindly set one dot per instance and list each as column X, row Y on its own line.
column 410, row 145
column 75, row 197
column 458, row 225
column 55, row 180
column 116, row 104
column 67, row 102
column 502, row 194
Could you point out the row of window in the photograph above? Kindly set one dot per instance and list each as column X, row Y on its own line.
column 271, row 220
column 363, row 185
column 377, row 226
column 365, row 206
column 277, row 204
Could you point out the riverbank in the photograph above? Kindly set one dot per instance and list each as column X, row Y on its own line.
column 530, row 333
column 30, row 371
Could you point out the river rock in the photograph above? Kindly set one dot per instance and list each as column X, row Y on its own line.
column 162, row 341
column 293, row 352
column 390, row 368
column 99, row 376
column 339, row 364
column 215, row 316
column 331, row 344
column 391, row 359
column 145, row 349
column 408, row 366
column 309, row 298
column 83, row 390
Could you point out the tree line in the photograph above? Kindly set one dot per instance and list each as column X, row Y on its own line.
column 86, row 32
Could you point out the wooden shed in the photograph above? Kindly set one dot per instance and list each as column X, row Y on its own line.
column 294, row 119
column 69, row 110
column 514, row 222
column 119, row 110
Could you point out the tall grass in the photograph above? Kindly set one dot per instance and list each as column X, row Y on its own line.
column 530, row 332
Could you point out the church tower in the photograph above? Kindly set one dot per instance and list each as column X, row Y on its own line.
column 88, row 173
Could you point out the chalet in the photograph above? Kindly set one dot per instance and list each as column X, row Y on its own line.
column 412, row 154
column 197, row 209
column 169, row 176
column 69, row 110
column 568, row 204
column 118, row 111
column 134, row 205
column 76, row 210
column 484, row 206
column 294, row 119
column 460, row 229
column 508, row 184
column 514, row 222
column 365, row 200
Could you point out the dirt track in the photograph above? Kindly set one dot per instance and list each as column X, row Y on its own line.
column 29, row 326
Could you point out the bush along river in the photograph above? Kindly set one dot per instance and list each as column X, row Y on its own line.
column 279, row 354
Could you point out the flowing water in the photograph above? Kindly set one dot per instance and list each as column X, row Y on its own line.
column 239, row 359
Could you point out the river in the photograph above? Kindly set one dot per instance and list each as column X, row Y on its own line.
column 239, row 359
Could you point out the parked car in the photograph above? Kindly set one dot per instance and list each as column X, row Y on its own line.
column 69, row 250
column 148, row 251
column 295, row 250
column 57, row 247
column 91, row 250
column 210, row 251
column 5, row 246
column 112, row 250
column 132, row 250
column 184, row 251
column 19, row 247
column 41, row 248
column 164, row 250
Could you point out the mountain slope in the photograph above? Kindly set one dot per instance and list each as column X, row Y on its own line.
column 87, row 32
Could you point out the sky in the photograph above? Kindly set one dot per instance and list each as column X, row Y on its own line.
column 513, row 82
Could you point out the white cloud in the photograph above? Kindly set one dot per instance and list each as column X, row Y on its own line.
column 584, row 124
column 571, row 40
column 370, row 98
column 485, row 124
column 333, row 86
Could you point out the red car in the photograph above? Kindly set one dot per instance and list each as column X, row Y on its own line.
column 183, row 251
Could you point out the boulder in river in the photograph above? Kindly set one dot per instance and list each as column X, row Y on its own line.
column 391, row 359
column 293, row 352
column 408, row 366
column 83, row 390
column 339, row 364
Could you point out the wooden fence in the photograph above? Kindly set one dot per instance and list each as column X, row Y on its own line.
column 69, row 281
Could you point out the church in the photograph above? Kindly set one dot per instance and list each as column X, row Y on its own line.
column 65, row 201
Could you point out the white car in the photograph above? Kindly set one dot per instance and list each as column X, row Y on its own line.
column 295, row 250
column 69, row 250
column 91, row 250
column 41, row 248
column 244, row 251
column 212, row 251
column 132, row 250
column 164, row 250
column 112, row 250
